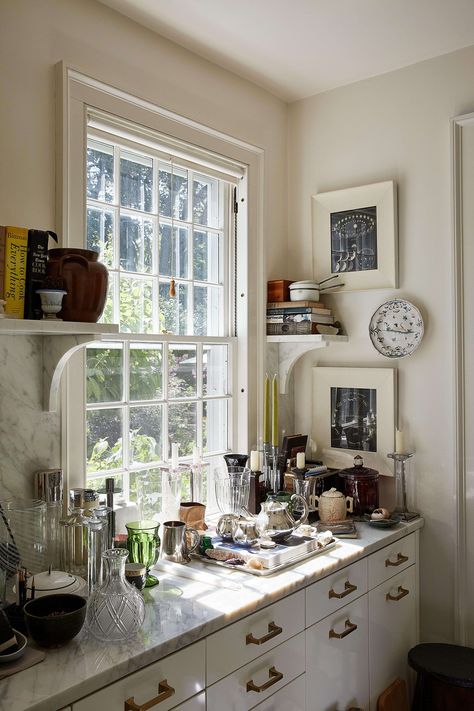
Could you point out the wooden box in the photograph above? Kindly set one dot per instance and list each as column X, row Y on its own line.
column 278, row 290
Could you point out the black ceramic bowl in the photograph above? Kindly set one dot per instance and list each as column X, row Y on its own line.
column 53, row 620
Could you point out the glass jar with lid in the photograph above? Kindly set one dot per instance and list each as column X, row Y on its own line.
column 362, row 484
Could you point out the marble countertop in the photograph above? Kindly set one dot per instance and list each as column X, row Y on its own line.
column 179, row 611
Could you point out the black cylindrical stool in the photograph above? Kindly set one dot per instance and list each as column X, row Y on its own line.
column 445, row 679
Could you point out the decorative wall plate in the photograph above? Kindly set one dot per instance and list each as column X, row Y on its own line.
column 396, row 328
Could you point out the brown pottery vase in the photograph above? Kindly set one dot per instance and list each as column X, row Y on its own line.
column 85, row 280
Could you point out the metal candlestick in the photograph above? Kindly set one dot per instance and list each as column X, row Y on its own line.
column 267, row 464
column 401, row 508
column 275, row 476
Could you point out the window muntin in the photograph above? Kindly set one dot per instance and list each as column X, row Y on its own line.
column 153, row 221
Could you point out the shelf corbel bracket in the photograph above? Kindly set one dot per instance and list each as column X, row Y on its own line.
column 288, row 355
column 56, row 353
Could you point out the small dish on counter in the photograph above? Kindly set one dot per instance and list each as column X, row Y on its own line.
column 383, row 522
column 21, row 642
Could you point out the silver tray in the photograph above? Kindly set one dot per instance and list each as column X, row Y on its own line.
column 269, row 571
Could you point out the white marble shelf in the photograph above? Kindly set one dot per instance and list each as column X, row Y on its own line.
column 61, row 340
column 49, row 327
column 179, row 612
column 292, row 347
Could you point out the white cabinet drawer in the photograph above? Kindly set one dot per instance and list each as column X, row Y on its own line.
column 251, row 637
column 392, row 630
column 290, row 698
column 257, row 681
column 390, row 560
column 183, row 671
column 197, row 703
column 335, row 591
column 337, row 674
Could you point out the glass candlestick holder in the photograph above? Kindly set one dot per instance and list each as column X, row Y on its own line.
column 401, row 507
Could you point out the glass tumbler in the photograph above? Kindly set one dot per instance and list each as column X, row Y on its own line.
column 116, row 610
column 143, row 545
column 23, row 535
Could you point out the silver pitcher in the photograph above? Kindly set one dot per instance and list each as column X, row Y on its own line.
column 174, row 545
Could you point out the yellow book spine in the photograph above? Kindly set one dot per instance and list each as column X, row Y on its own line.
column 16, row 247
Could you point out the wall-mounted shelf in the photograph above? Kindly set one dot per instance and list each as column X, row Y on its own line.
column 50, row 327
column 291, row 348
column 62, row 339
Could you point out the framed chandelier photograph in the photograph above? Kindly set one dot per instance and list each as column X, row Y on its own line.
column 355, row 236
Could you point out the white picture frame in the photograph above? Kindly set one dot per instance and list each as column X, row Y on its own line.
column 347, row 404
column 355, row 235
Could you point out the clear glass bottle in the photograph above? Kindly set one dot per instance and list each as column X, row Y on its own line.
column 116, row 610
column 96, row 546
column 74, row 541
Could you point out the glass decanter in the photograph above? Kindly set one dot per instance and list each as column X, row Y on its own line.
column 116, row 610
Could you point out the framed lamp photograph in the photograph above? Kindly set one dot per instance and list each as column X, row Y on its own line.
column 355, row 236
column 354, row 413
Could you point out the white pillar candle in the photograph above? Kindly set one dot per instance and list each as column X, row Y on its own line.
column 399, row 442
column 300, row 460
column 174, row 455
column 254, row 460
column 196, row 455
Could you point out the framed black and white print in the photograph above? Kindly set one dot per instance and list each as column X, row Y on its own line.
column 355, row 235
column 354, row 413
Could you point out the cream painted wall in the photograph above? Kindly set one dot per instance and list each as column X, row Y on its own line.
column 395, row 126
column 34, row 36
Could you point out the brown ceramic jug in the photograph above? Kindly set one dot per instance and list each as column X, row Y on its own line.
column 85, row 280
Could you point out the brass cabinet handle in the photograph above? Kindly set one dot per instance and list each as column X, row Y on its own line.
column 164, row 692
column 348, row 589
column 274, row 677
column 400, row 559
column 401, row 593
column 273, row 631
column 349, row 628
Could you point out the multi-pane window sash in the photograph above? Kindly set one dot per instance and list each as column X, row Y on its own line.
column 167, row 377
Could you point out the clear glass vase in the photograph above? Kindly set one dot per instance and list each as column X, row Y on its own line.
column 116, row 609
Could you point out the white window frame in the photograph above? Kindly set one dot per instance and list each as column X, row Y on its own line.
column 76, row 94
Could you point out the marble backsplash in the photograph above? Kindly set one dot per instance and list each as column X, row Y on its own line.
column 29, row 437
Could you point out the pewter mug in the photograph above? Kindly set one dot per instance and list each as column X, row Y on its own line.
column 174, row 545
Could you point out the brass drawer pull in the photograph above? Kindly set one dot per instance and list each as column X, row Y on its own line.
column 349, row 628
column 274, row 677
column 273, row 631
column 400, row 559
column 348, row 589
column 401, row 593
column 164, row 692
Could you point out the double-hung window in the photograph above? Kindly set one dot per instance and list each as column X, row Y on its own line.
column 155, row 193
column 163, row 224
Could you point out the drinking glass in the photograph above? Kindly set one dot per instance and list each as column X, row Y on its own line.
column 143, row 545
column 233, row 490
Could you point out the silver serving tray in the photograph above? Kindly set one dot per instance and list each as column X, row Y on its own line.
column 269, row 571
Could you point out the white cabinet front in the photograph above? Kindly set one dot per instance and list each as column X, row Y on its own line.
column 255, row 682
column 168, row 683
column 197, row 703
column 337, row 674
column 290, row 698
column 392, row 630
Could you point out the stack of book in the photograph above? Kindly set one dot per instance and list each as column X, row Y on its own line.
column 300, row 318
column 23, row 259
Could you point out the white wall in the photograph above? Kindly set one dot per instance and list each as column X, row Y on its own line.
column 395, row 126
column 34, row 36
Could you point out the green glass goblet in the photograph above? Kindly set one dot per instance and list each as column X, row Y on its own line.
column 143, row 546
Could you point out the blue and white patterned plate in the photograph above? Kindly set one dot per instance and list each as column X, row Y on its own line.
column 396, row 329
